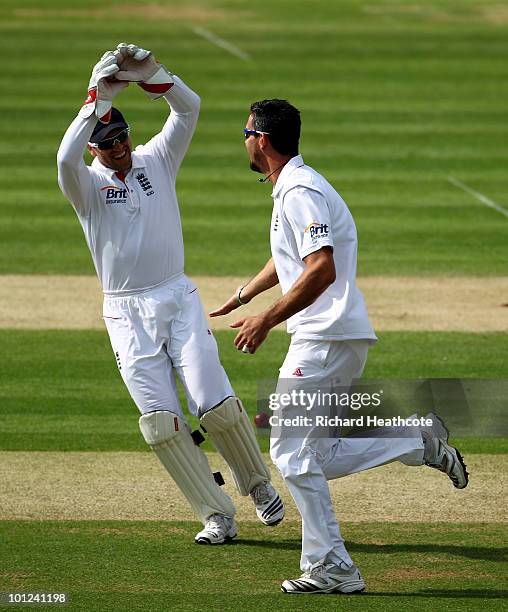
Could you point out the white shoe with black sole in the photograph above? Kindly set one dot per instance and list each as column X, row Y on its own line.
column 269, row 505
column 326, row 579
column 438, row 454
column 218, row 529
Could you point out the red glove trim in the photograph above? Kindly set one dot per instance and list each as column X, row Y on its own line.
column 92, row 96
column 158, row 88
column 106, row 118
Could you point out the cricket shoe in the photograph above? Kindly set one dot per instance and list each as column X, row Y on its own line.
column 440, row 455
column 326, row 579
column 269, row 506
column 218, row 529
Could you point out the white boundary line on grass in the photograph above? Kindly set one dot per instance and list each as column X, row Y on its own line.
column 220, row 42
column 479, row 196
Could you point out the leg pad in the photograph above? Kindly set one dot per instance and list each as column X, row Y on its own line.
column 168, row 436
column 233, row 436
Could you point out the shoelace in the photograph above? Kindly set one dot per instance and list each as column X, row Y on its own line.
column 215, row 523
column 261, row 494
column 316, row 571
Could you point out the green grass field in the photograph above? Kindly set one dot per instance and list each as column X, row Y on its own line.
column 66, row 394
column 154, row 566
column 393, row 100
column 396, row 98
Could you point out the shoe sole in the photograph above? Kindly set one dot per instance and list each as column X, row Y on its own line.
column 464, row 468
column 273, row 523
column 442, row 432
column 206, row 541
column 358, row 586
column 344, row 589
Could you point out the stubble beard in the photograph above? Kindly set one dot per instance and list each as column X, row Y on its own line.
column 255, row 168
column 256, row 164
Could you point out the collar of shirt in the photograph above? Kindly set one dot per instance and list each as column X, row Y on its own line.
column 137, row 162
column 293, row 163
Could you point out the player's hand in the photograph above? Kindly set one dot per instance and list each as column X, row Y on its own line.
column 139, row 65
column 227, row 307
column 135, row 64
column 253, row 331
column 103, row 87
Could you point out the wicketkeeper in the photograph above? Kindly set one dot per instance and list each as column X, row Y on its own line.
column 127, row 206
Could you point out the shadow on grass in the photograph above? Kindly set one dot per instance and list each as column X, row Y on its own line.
column 447, row 593
column 483, row 553
column 470, row 552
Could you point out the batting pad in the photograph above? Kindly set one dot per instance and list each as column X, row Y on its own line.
column 171, row 441
column 232, row 434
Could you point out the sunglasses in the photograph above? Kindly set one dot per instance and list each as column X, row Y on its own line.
column 255, row 133
column 109, row 143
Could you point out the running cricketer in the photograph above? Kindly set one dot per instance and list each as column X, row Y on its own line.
column 127, row 206
column 314, row 247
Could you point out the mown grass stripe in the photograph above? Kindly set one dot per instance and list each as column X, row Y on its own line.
column 60, row 390
column 479, row 196
column 118, row 565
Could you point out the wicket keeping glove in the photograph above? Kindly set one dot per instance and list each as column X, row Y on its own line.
column 139, row 65
column 103, row 87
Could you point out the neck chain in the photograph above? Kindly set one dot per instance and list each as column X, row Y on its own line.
column 267, row 177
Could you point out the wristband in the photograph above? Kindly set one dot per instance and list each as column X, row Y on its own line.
column 238, row 296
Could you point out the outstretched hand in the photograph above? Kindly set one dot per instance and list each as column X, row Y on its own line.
column 227, row 307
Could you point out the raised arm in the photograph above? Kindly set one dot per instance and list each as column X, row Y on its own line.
column 173, row 141
column 73, row 174
column 265, row 279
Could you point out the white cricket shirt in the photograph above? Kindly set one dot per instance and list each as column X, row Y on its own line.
column 132, row 225
column 309, row 214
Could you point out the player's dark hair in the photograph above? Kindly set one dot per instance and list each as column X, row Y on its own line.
column 282, row 122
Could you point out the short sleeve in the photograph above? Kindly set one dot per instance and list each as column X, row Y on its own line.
column 308, row 215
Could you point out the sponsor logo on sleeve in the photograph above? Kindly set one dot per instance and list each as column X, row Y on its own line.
column 317, row 230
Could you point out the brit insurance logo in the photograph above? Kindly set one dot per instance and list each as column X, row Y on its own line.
column 115, row 195
column 317, row 230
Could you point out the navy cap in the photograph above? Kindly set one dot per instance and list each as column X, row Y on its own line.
column 101, row 130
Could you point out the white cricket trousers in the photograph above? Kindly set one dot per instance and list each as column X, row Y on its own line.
column 307, row 462
column 160, row 332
